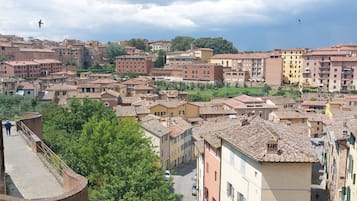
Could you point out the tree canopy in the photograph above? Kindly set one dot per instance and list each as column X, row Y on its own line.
column 114, row 155
column 161, row 59
column 219, row 45
column 181, row 43
column 138, row 43
column 113, row 50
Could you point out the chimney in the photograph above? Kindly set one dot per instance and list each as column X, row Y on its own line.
column 272, row 146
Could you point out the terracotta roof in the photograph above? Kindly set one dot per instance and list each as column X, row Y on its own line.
column 125, row 111
column 72, row 94
column 252, row 141
column 178, row 126
column 279, row 100
column 314, row 103
column 290, row 114
column 143, row 87
column 135, row 81
column 155, row 127
column 209, row 129
column 129, row 99
column 248, row 99
column 103, row 81
column 142, row 110
column 111, row 92
column 208, row 110
column 61, row 87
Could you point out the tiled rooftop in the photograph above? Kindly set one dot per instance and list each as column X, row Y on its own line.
column 252, row 140
column 125, row 111
column 155, row 127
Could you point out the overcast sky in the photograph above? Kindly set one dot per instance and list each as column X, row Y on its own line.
column 249, row 24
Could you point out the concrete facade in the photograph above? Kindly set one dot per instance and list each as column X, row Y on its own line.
column 292, row 64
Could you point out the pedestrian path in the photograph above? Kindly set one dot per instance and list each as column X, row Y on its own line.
column 31, row 178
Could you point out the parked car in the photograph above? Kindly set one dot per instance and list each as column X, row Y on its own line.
column 167, row 175
column 194, row 189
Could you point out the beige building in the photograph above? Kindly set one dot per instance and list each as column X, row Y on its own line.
column 167, row 109
column 160, row 138
column 180, row 141
column 244, row 104
column 274, row 164
column 350, row 188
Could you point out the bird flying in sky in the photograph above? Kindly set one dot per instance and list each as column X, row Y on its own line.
column 40, row 23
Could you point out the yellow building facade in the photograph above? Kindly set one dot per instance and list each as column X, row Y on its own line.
column 292, row 65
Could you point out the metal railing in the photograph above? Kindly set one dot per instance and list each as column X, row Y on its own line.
column 50, row 159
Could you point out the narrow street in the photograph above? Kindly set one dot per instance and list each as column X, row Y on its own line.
column 183, row 180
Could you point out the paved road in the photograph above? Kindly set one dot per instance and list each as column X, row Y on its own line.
column 27, row 175
column 183, row 180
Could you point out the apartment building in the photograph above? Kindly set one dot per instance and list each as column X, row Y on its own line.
column 33, row 68
column 292, row 64
column 200, row 72
column 181, row 60
column 343, row 74
column 265, row 161
column 180, row 141
column 273, row 72
column 141, row 65
column 316, row 70
column 160, row 138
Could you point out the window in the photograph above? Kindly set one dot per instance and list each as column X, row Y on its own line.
column 230, row 189
column 240, row 197
column 215, row 175
column 207, row 167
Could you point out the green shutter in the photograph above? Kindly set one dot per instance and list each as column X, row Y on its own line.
column 352, row 139
column 348, row 194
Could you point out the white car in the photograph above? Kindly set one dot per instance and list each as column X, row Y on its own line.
column 167, row 175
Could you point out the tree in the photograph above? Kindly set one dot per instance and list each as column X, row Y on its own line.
column 138, row 43
column 114, row 155
column 181, row 43
column 219, row 45
column 113, row 50
column 161, row 59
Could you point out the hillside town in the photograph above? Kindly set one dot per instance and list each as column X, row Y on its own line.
column 245, row 148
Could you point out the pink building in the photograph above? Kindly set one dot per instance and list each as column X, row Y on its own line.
column 212, row 170
column 316, row 71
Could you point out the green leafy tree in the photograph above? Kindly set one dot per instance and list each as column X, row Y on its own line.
column 219, row 45
column 114, row 155
column 161, row 59
column 113, row 50
column 138, row 43
column 181, row 43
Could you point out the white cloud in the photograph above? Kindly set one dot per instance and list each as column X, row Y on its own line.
column 66, row 16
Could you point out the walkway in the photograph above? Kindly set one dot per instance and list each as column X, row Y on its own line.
column 30, row 177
